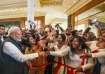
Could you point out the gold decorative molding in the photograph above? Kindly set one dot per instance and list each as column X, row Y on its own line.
column 79, row 4
column 19, row 12
column 51, row 2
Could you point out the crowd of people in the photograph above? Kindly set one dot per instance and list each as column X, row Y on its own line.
column 54, row 50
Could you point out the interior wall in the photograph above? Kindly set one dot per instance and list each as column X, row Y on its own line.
column 22, row 21
column 84, row 22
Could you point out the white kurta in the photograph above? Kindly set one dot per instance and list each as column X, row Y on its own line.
column 12, row 51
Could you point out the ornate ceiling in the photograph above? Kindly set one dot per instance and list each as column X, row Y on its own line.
column 51, row 2
column 52, row 9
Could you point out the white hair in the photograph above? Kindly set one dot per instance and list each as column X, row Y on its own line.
column 12, row 29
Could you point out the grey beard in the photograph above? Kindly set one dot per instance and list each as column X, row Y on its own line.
column 17, row 39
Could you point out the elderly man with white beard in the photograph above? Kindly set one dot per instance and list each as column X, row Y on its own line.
column 13, row 58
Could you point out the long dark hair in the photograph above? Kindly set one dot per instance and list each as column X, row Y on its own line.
column 82, row 44
column 63, row 37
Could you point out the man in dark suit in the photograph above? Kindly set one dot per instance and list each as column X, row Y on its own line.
column 11, row 51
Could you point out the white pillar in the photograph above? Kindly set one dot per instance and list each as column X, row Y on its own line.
column 30, row 11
